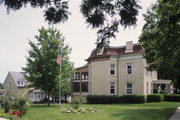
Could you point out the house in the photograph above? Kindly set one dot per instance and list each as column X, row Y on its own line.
column 15, row 86
column 118, row 71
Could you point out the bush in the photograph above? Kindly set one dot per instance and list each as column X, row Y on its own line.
column 155, row 98
column 102, row 99
column 21, row 104
column 172, row 98
column 76, row 102
column 133, row 99
column 6, row 105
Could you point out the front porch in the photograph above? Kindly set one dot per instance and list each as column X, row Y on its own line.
column 162, row 86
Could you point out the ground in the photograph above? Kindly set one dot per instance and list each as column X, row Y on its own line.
column 147, row 111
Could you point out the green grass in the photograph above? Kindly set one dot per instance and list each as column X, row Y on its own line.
column 147, row 111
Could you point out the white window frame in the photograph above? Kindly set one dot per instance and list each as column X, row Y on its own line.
column 112, row 69
column 127, row 68
column 129, row 88
column 114, row 87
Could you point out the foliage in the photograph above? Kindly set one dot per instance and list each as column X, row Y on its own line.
column 106, row 15
column 155, row 98
column 102, row 99
column 76, row 102
column 160, row 38
column 17, row 113
column 41, row 69
column 6, row 105
column 133, row 99
column 172, row 97
column 11, row 117
column 1, row 86
column 21, row 105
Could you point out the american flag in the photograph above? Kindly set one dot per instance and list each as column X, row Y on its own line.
column 59, row 57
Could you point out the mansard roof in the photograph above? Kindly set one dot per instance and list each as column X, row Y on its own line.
column 115, row 51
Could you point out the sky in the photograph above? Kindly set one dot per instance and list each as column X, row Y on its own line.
column 20, row 27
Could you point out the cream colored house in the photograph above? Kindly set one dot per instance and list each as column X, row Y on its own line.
column 122, row 70
column 15, row 86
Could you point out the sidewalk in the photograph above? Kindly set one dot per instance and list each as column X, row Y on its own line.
column 176, row 115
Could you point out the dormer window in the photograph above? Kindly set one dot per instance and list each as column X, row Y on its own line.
column 100, row 51
column 129, row 47
column 22, row 83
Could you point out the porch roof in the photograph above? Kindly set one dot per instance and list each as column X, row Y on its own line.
column 162, row 81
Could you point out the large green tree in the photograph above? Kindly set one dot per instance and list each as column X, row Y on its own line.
column 161, row 39
column 104, row 15
column 41, row 69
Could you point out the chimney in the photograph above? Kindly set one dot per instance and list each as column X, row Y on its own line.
column 129, row 47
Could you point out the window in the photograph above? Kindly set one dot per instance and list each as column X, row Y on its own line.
column 129, row 69
column 84, row 86
column 21, row 82
column 31, row 95
column 84, row 75
column 76, row 76
column 42, row 96
column 129, row 88
column 112, row 88
column 112, row 69
column 35, row 95
column 39, row 95
column 100, row 51
column 76, row 87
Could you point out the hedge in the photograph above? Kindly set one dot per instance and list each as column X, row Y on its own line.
column 133, row 99
column 172, row 98
column 155, row 98
column 102, row 99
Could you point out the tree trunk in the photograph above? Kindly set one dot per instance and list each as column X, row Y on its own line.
column 48, row 98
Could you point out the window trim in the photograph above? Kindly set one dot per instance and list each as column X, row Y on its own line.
column 112, row 69
column 126, row 88
column 127, row 68
column 114, row 88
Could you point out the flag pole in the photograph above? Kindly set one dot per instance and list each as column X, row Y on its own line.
column 60, row 88
column 60, row 80
column 59, row 62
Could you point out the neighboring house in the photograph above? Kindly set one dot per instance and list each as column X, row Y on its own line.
column 118, row 71
column 15, row 85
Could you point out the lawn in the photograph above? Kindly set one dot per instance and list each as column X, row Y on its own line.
column 147, row 111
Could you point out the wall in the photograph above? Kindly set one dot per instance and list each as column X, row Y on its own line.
column 100, row 78
column 10, row 88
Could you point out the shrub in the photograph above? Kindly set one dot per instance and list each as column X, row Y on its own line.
column 6, row 105
column 155, row 98
column 102, row 99
column 172, row 98
column 133, row 99
column 21, row 105
column 76, row 102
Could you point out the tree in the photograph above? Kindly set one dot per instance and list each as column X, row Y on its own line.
column 104, row 15
column 41, row 69
column 1, row 86
column 161, row 39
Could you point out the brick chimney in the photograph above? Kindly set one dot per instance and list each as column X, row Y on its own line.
column 129, row 47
